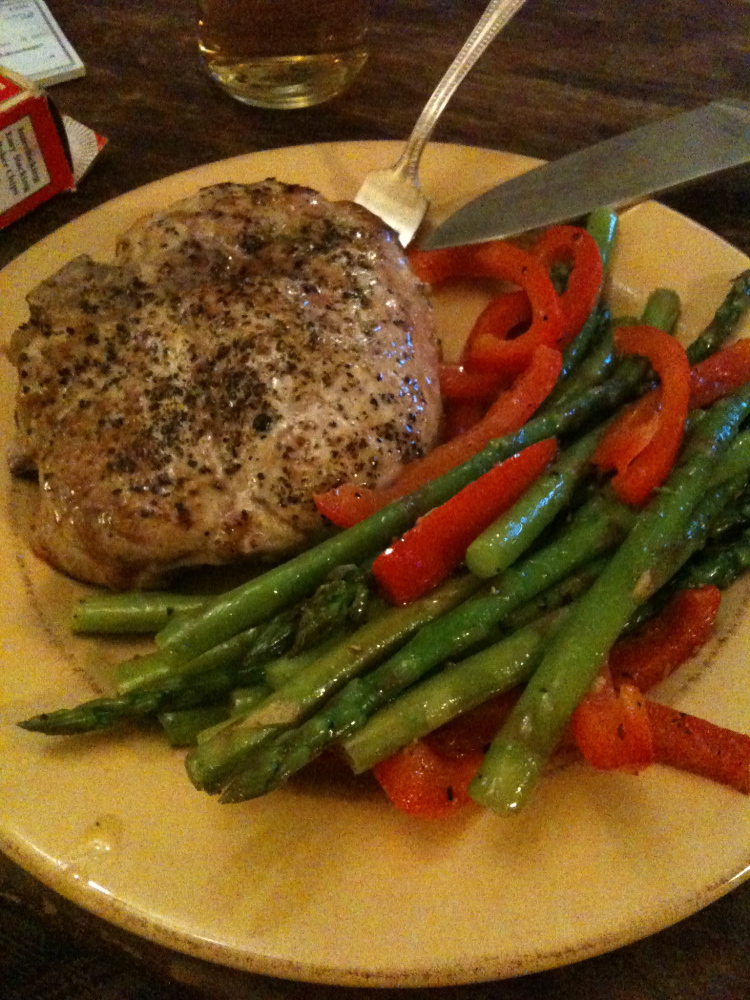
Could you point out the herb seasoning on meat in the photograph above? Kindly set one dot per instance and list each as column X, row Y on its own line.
column 248, row 347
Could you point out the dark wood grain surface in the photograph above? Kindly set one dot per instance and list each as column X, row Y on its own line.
column 562, row 75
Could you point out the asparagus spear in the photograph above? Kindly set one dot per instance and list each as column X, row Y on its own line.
column 182, row 728
column 720, row 565
column 717, row 565
column 559, row 595
column 662, row 538
column 577, row 352
column 735, row 460
column 592, row 370
column 725, row 320
column 168, row 684
column 248, row 651
column 602, row 224
column 104, row 713
column 283, row 668
column 211, row 761
column 662, row 309
column 133, row 612
column 456, row 689
column 246, row 698
column 341, row 596
column 500, row 545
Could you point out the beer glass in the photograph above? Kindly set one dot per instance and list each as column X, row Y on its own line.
column 283, row 53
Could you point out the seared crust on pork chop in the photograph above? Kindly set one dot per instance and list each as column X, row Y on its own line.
column 249, row 347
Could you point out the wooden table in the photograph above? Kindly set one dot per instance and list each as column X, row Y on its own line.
column 562, row 76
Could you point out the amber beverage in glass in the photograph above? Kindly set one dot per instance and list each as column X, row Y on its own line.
column 283, row 53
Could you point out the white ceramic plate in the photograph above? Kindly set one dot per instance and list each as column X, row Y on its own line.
column 323, row 881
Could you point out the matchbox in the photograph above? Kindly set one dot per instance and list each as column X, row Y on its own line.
column 41, row 152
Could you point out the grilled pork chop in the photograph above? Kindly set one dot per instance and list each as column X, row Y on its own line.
column 248, row 347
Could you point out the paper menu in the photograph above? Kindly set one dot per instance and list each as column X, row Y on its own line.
column 32, row 43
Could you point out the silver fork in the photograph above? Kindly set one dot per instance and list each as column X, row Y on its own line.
column 394, row 194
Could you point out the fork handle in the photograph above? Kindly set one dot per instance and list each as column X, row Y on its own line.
column 495, row 17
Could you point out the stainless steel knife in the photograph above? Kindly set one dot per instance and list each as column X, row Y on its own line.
column 647, row 160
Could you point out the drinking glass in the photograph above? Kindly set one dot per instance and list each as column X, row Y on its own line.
column 283, row 53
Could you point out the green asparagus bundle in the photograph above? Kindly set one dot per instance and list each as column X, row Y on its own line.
column 159, row 683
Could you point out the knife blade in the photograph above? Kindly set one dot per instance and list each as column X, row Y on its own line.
column 623, row 169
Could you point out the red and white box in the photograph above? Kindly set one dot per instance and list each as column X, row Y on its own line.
column 41, row 151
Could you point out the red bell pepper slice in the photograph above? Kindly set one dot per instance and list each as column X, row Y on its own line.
column 508, row 312
column 348, row 504
column 461, row 382
column 488, row 342
column 720, row 374
column 623, row 729
column 635, row 479
column 436, row 545
column 575, row 246
column 696, row 745
column 668, row 640
column 436, row 266
column 488, row 345
column 459, row 415
column 421, row 782
column 630, row 434
column 710, row 380
column 611, row 727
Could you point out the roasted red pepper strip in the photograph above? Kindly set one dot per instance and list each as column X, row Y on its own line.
column 668, row 640
column 461, row 414
column 460, row 382
column 623, row 729
column 421, row 782
column 487, row 345
column 573, row 245
column 630, row 434
column 436, row 545
column 635, row 480
column 720, row 374
column 610, row 734
column 466, row 381
column 488, row 342
column 611, row 727
column 635, row 664
column 349, row 504
column 695, row 745
column 435, row 266
column 712, row 379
